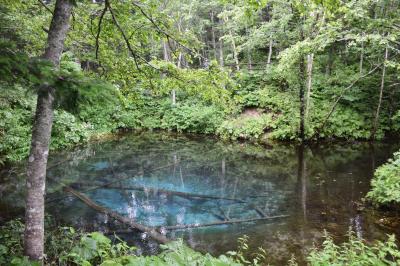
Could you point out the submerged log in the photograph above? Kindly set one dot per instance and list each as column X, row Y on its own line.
column 102, row 184
column 236, row 221
column 169, row 192
column 185, row 195
column 125, row 220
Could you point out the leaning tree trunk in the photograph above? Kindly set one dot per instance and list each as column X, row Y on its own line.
column 41, row 132
column 376, row 120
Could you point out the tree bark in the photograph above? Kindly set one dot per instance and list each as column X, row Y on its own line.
column 270, row 50
column 213, row 39
column 249, row 59
column 221, row 45
column 310, row 59
column 235, row 53
column 221, row 53
column 41, row 132
column 376, row 120
column 301, row 98
column 362, row 54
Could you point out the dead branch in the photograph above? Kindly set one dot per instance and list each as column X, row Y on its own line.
column 149, row 230
column 236, row 221
column 333, row 108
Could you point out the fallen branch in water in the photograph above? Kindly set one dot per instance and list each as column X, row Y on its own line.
column 109, row 183
column 149, row 230
column 168, row 192
column 187, row 226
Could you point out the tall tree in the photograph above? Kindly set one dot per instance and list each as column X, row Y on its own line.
column 37, row 163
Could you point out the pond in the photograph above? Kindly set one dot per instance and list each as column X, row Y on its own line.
column 282, row 196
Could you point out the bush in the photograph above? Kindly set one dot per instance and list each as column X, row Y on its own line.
column 64, row 246
column 68, row 130
column 58, row 241
column 355, row 253
column 246, row 127
column 386, row 182
column 193, row 118
column 16, row 115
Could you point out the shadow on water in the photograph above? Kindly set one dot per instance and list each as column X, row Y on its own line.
column 165, row 180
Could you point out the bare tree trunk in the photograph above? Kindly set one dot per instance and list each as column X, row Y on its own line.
column 270, row 50
column 213, row 40
column 221, row 53
column 234, row 50
column 221, row 45
column 329, row 64
column 235, row 54
column 249, row 59
column 165, row 51
column 301, row 90
column 167, row 59
column 41, row 132
column 301, row 98
column 362, row 54
column 310, row 59
column 376, row 120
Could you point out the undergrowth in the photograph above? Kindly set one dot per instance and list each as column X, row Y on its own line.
column 65, row 246
column 386, row 183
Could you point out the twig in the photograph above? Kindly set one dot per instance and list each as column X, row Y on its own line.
column 158, row 28
column 187, row 226
column 45, row 6
column 103, row 12
column 318, row 131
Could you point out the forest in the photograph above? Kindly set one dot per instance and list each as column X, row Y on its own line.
column 199, row 132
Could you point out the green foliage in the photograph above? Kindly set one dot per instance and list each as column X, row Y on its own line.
column 386, row 182
column 59, row 240
column 246, row 127
column 65, row 246
column 95, row 249
column 194, row 118
column 16, row 115
column 355, row 252
column 68, row 130
column 174, row 253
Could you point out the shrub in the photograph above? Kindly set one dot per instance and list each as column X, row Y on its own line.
column 68, row 130
column 64, row 246
column 246, row 127
column 194, row 118
column 386, row 182
column 355, row 253
column 16, row 116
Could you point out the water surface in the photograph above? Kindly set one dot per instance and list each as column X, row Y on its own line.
column 158, row 179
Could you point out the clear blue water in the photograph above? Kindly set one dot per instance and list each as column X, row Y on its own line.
column 142, row 177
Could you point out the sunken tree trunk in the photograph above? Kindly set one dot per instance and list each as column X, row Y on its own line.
column 41, row 132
